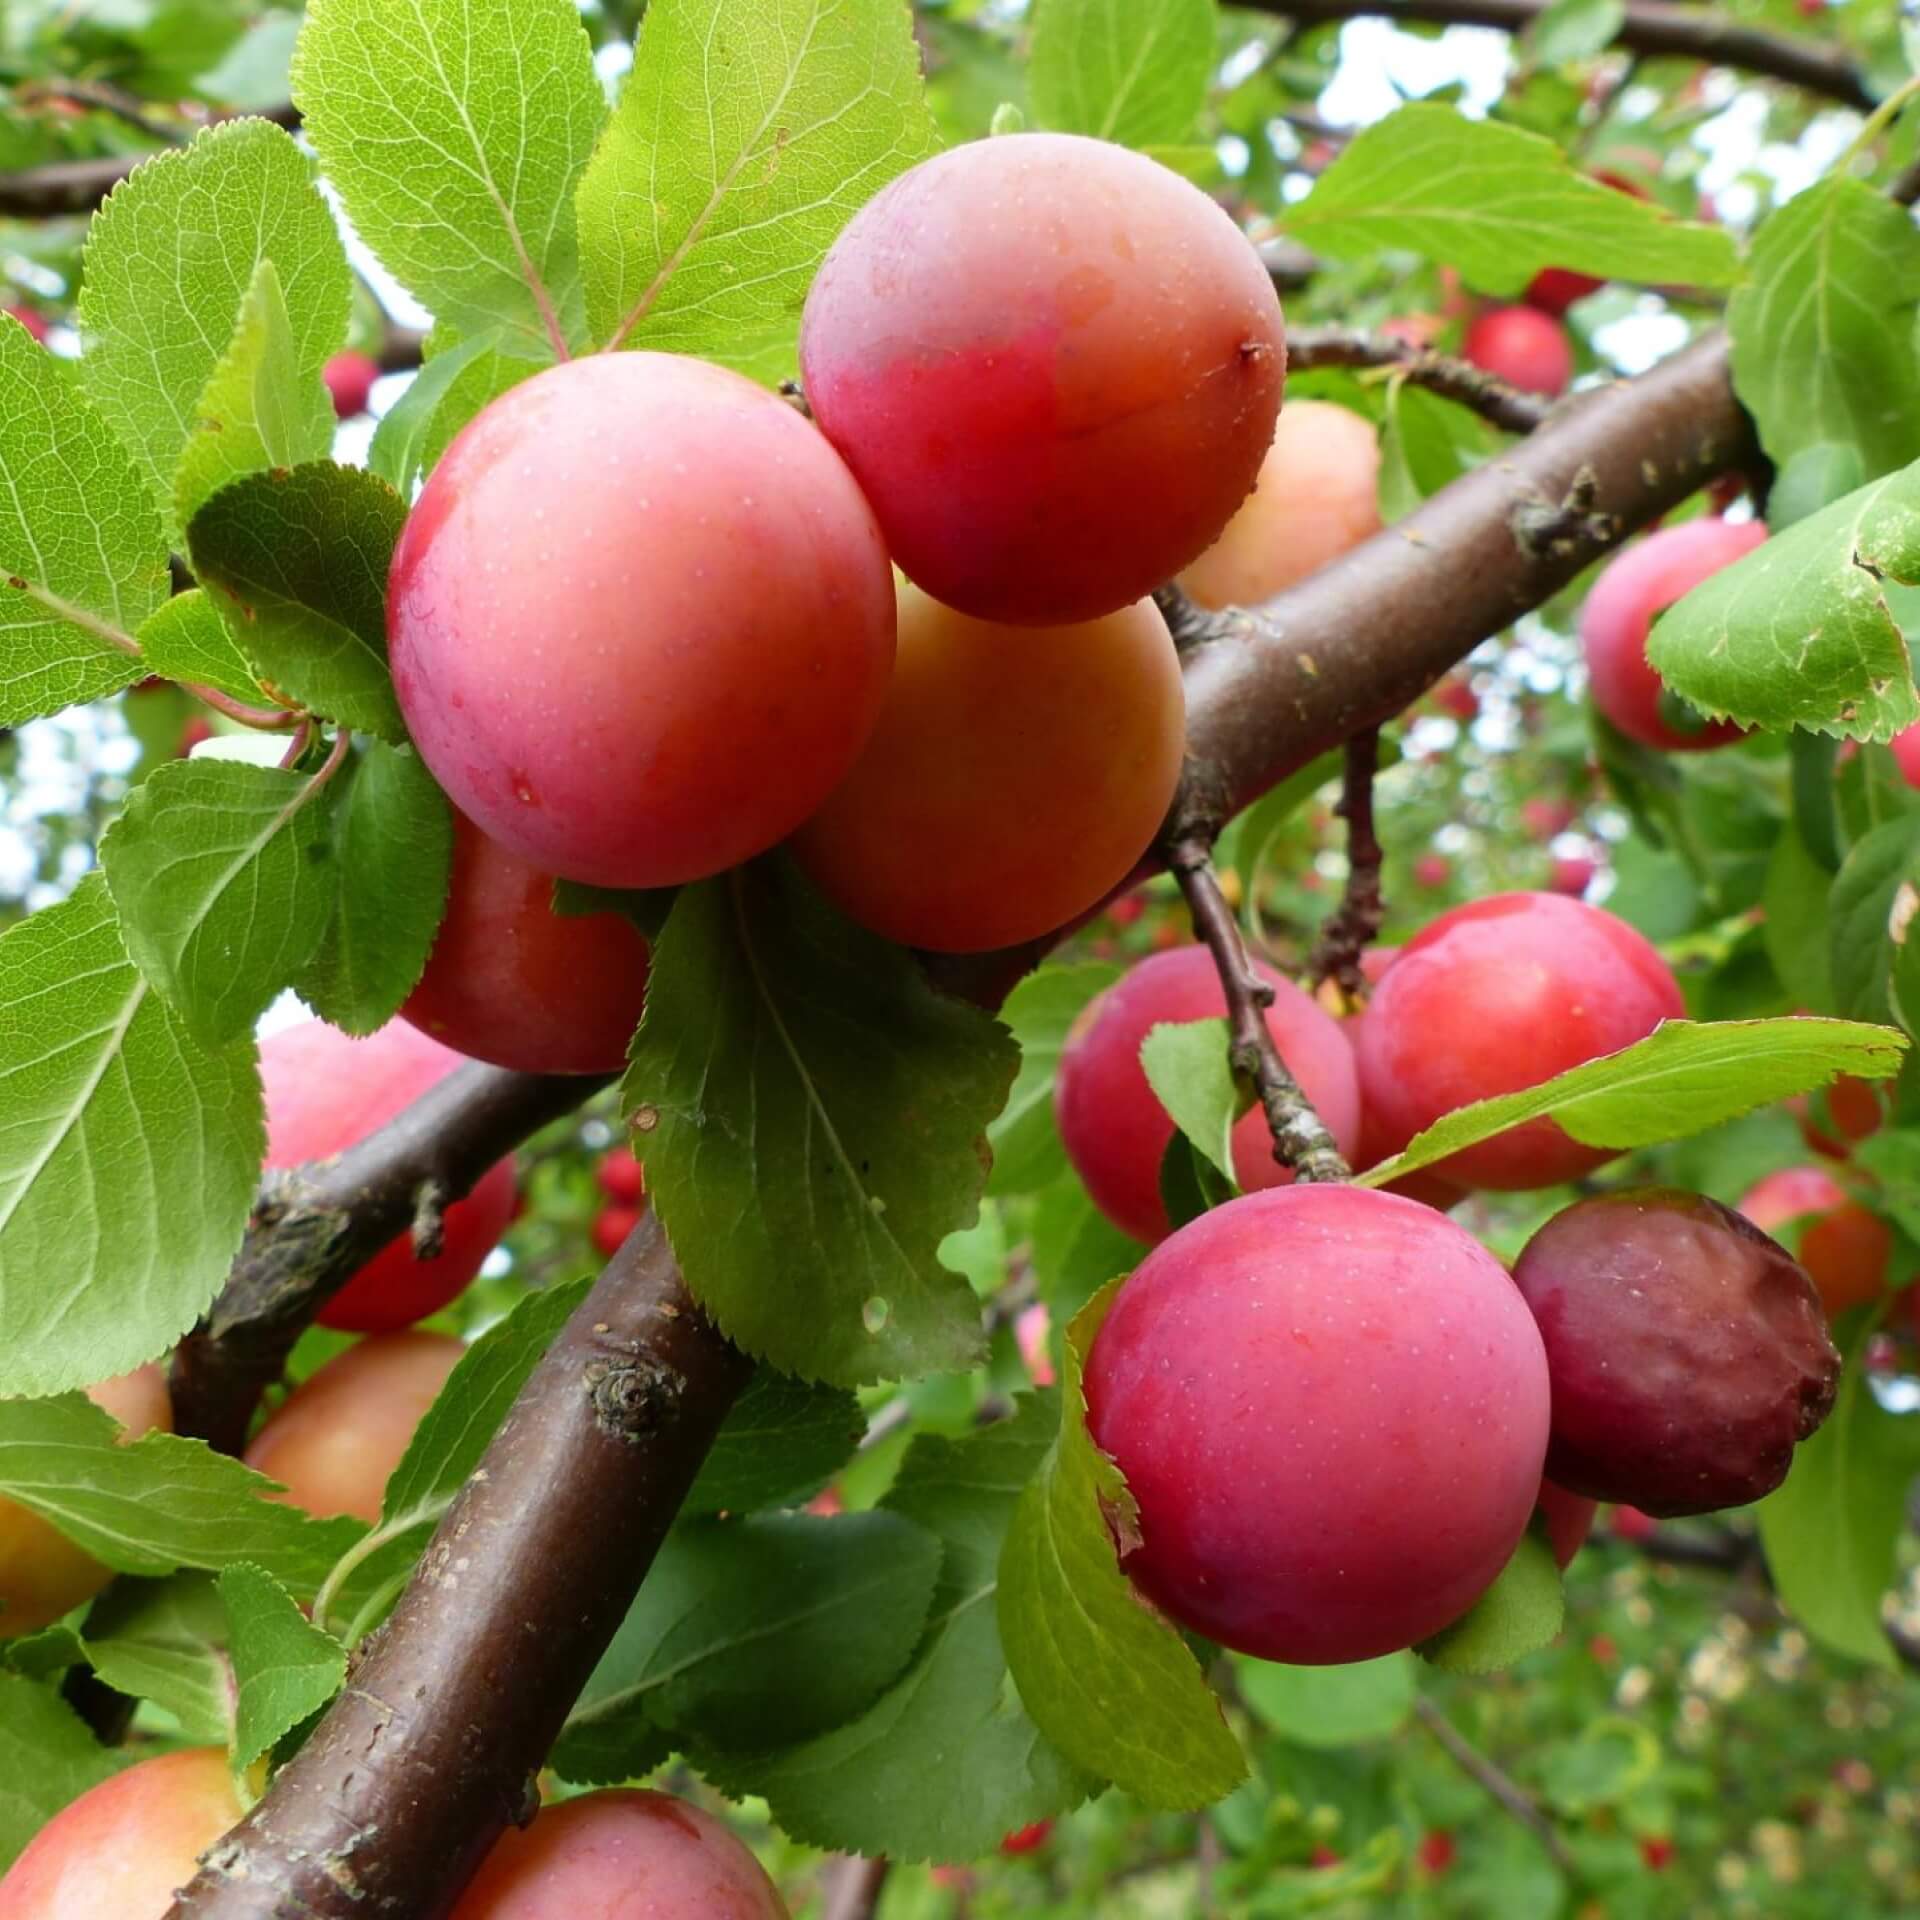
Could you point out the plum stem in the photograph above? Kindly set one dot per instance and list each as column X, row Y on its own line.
column 1351, row 927
column 1300, row 1137
column 1504, row 406
column 1496, row 1782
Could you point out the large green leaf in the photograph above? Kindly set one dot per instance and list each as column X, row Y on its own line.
column 1134, row 71
column 224, row 878
column 1041, row 1010
column 1497, row 202
column 779, row 1444
column 170, row 258
column 1823, row 329
column 187, row 640
column 1518, row 1615
column 1190, row 1071
column 284, row 1667
column 116, row 1120
column 455, row 134
column 810, row 1114
column 1799, row 632
column 709, row 203
column 1106, row 1676
column 1872, row 894
column 47, row 1758
column 83, row 557
column 1331, row 1706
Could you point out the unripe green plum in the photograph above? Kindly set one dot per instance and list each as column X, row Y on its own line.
column 336, row 1440
column 1016, row 777
column 122, row 1849
column 1688, row 1352
column 1053, row 365
column 1496, row 996
column 1318, row 494
column 1633, row 588
column 1843, row 1246
column 1331, row 1408
column 325, row 1091
column 42, row 1573
column 513, row 982
column 640, row 619
column 1113, row 1126
column 621, row 1854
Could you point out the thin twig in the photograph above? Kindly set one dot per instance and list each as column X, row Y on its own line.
column 265, row 719
column 1300, row 1137
column 853, row 1887
column 1351, row 927
column 78, row 186
column 1507, row 1791
column 1504, row 406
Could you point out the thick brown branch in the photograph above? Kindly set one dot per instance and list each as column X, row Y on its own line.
column 1507, row 407
column 450, row 1709
column 1351, row 927
column 1485, row 1774
column 1300, row 1137
column 1649, row 27
column 78, row 186
column 315, row 1226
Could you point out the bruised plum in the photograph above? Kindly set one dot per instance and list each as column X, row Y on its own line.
column 1687, row 1351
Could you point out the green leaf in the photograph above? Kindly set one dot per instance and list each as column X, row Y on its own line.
column 1570, row 30
column 1684, row 1077
column 188, row 641
column 1041, row 1010
column 1134, row 71
column 166, row 1641
column 224, row 878
column 1189, row 1183
column 392, row 851
column 153, row 1505
column 1330, row 1706
column 116, row 1117
column 284, row 1668
column 756, row 1633
column 1076, row 1248
column 1831, row 1530
column 1798, row 632
column 1796, row 922
column 1873, row 889
column 456, row 135
column 47, row 1759
column 1426, row 443
column 1519, row 1614
column 171, row 256
column 1189, row 1072
column 707, row 207
column 261, row 408
column 1499, row 204
column 298, row 562
column 1606, row 1762
column 404, row 439
column 1106, row 1676
column 1823, row 330
column 83, row 558
column 445, row 1449
column 946, row 1762
column 782, row 1441
column 810, row 1114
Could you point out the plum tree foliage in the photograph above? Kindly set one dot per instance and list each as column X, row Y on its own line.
column 1017, row 973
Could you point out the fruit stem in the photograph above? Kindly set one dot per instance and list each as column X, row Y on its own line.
column 1350, row 929
column 1484, row 1773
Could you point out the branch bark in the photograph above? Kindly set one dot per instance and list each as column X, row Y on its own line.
column 78, row 186
column 315, row 1226
column 450, row 1709
column 1649, row 27
column 1487, row 1775
column 853, row 1888
column 1351, row 927
column 1507, row 407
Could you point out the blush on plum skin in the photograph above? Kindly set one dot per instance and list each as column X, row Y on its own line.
column 1499, row 995
column 512, row 982
column 1688, row 1352
column 1113, row 1126
column 1054, row 367
column 641, row 620
column 1331, row 1408
column 1635, row 587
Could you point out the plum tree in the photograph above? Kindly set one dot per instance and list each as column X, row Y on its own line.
column 335, row 1441
column 119, row 1850
column 934, row 838
column 601, row 676
column 1318, row 493
column 1053, row 365
column 1688, row 1351
column 1495, row 996
column 42, row 1573
column 623, row 1851
column 511, row 981
column 1632, row 589
column 1524, row 347
column 1843, row 1245
column 324, row 1092
column 350, row 376
column 1407, row 1463
column 1114, row 1128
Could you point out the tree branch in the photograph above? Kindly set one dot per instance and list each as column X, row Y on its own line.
column 1650, row 27
column 1460, row 380
column 450, row 1709
column 78, row 186
column 853, row 1888
column 315, row 1226
column 1485, row 1774
column 1300, row 1137
column 1351, row 927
